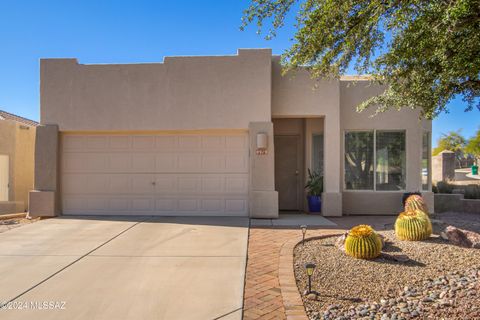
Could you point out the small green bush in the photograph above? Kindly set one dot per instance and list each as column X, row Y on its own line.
column 472, row 191
column 443, row 187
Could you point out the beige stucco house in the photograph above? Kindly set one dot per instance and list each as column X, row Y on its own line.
column 17, row 139
column 218, row 135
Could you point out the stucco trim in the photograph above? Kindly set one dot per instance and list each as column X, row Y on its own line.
column 156, row 132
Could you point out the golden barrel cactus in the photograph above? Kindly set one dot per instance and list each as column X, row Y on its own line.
column 415, row 202
column 363, row 242
column 413, row 225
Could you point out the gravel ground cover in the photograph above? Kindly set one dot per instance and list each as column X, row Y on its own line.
column 9, row 224
column 468, row 221
column 438, row 281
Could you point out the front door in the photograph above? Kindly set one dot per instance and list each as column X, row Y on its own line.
column 287, row 171
column 4, row 166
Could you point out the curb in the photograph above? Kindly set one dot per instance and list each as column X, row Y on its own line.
column 12, row 216
column 292, row 301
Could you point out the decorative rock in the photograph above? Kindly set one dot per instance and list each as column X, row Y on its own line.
column 340, row 243
column 462, row 238
column 363, row 312
column 438, row 226
column 311, row 296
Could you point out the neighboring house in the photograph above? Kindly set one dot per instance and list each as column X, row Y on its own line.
column 17, row 144
column 218, row 135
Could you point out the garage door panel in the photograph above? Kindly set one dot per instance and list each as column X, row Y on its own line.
column 73, row 142
column 119, row 142
column 213, row 205
column 120, row 162
column 165, row 162
column 73, row 183
column 189, row 162
column 236, row 163
column 236, row 205
column 97, row 183
column 236, row 184
column 143, row 162
column 97, row 203
column 120, row 183
column 188, row 184
column 155, row 174
column 142, row 184
column 142, row 204
column 97, row 142
column 188, row 143
column 213, row 184
column 236, row 142
column 166, row 143
column 165, row 183
column 143, row 142
column 119, row 205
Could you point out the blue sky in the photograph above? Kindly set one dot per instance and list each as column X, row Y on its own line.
column 132, row 31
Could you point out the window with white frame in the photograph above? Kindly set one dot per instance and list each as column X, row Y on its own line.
column 317, row 153
column 375, row 160
column 359, row 160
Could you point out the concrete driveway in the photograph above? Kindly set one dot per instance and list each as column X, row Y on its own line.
column 124, row 268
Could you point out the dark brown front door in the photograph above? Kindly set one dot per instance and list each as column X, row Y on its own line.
column 287, row 175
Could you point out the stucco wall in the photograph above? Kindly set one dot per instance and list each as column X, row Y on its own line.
column 17, row 141
column 7, row 147
column 297, row 95
column 352, row 94
column 24, row 163
column 214, row 92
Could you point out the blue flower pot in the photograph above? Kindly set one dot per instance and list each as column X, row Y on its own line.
column 314, row 204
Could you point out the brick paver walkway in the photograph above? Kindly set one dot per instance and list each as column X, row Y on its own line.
column 262, row 296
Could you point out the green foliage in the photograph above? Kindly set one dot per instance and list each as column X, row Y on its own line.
column 363, row 242
column 452, row 141
column 314, row 184
column 427, row 52
column 472, row 191
column 413, row 226
column 443, row 187
column 473, row 146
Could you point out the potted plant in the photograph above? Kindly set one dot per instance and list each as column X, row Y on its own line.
column 314, row 189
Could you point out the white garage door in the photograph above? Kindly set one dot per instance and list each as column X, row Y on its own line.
column 181, row 174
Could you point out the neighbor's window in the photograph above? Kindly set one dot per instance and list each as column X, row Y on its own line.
column 359, row 160
column 317, row 153
column 390, row 160
column 425, row 160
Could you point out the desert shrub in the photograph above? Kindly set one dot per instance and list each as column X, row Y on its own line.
column 443, row 187
column 472, row 191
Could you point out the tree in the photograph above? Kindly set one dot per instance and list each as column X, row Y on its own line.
column 473, row 146
column 427, row 52
column 453, row 141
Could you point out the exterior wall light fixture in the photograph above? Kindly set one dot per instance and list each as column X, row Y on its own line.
column 262, row 144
